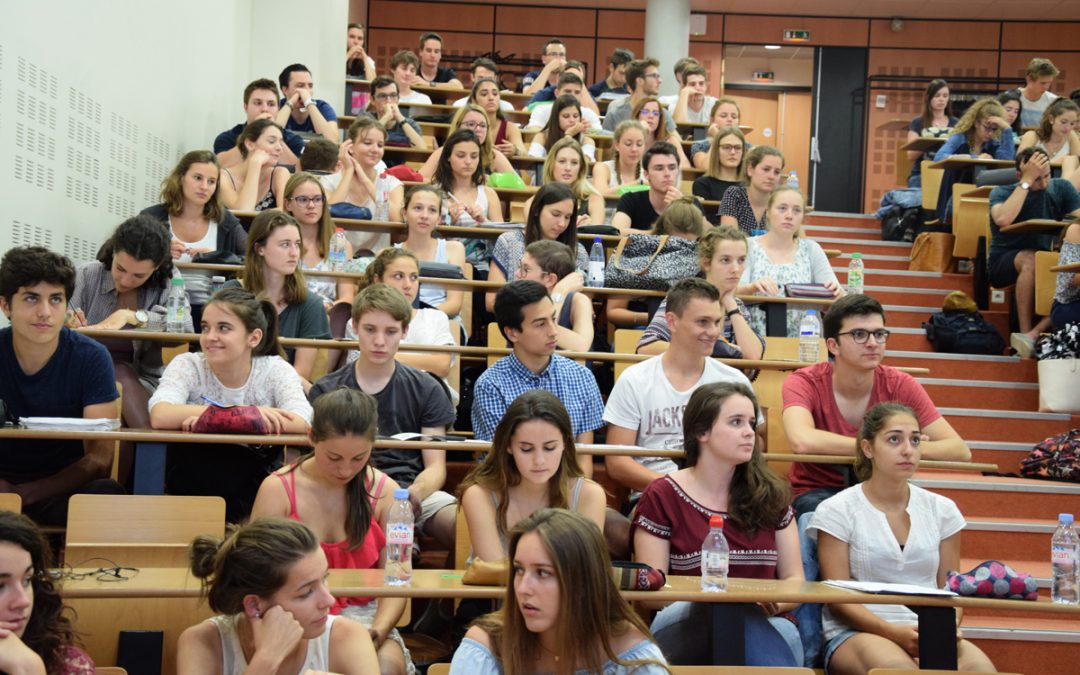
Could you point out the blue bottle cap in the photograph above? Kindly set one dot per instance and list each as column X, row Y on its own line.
column 401, row 493
column 1066, row 518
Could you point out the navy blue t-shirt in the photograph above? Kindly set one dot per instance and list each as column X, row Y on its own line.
column 79, row 374
column 1057, row 202
column 226, row 140
column 309, row 127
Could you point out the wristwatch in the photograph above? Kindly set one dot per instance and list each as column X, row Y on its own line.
column 141, row 318
column 556, row 298
column 1026, row 185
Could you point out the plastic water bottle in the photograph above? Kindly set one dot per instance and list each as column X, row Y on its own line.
column 382, row 198
column 399, row 540
column 596, row 264
column 174, row 307
column 856, row 277
column 1065, row 562
column 217, row 282
column 792, row 181
column 338, row 255
column 809, row 336
column 714, row 557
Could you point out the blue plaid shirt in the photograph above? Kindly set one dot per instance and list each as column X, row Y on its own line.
column 508, row 378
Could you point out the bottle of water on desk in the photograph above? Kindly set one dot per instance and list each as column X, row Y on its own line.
column 596, row 264
column 1064, row 561
column 856, row 277
column 338, row 253
column 792, row 181
column 809, row 336
column 399, row 540
column 382, row 199
column 714, row 557
column 174, row 306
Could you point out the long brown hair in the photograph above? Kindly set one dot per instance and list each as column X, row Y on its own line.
column 927, row 117
column 661, row 133
column 487, row 148
column 326, row 222
column 173, row 194
column 714, row 168
column 1054, row 110
column 552, row 131
column 872, row 424
column 253, row 313
column 262, row 226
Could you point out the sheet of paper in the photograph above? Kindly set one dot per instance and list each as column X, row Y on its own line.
column 883, row 588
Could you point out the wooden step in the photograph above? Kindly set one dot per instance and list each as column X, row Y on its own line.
column 879, row 261
column 906, row 295
column 834, row 219
column 906, row 278
column 1007, row 456
column 1002, row 368
column 1037, row 646
column 853, row 233
column 867, row 247
column 1006, row 425
column 1022, row 543
column 987, row 497
column 980, row 393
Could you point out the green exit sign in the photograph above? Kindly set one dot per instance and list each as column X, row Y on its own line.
column 796, row 36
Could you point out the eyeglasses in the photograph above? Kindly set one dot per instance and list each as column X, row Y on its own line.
column 861, row 335
column 387, row 97
column 475, row 126
column 989, row 127
column 113, row 573
column 735, row 147
column 649, row 113
column 561, row 55
column 304, row 201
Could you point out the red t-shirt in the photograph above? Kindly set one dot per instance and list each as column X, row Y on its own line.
column 812, row 388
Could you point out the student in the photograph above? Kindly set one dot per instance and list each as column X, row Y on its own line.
column 1010, row 102
column 362, row 154
column 576, row 68
column 553, row 56
column 615, row 82
column 644, row 405
column 475, row 119
column 1035, row 95
column 643, row 79
column 566, row 163
column 936, row 121
column 305, row 200
column 358, row 63
column 783, row 256
column 299, row 110
column 857, row 534
column 260, row 102
column 335, row 491
column 552, row 217
column 267, row 583
column 526, row 318
column 1012, row 255
column 725, row 113
column 461, row 176
column 200, row 225
column 272, row 272
column 565, row 121
column 430, row 71
column 694, row 105
column 562, row 612
column 725, row 475
column 423, row 209
column 410, row 401
column 507, row 136
column 724, row 168
column 677, row 70
column 570, row 84
column 981, row 133
column 1056, row 135
column 821, row 400
column 651, row 114
column 256, row 183
column 38, row 357
column 722, row 257
column 483, row 68
column 1066, row 306
column 239, row 364
column 38, row 635
column 624, row 167
column 401, row 130
column 640, row 210
column 532, row 465
column 549, row 262
column 746, row 206
column 403, row 67
column 326, row 161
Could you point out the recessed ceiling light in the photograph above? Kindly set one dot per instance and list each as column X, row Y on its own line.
column 772, row 46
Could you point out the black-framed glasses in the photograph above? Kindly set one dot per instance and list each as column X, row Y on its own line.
column 387, row 97
column 108, row 574
column 861, row 335
column 304, row 200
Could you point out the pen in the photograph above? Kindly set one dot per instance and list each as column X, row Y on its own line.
column 211, row 401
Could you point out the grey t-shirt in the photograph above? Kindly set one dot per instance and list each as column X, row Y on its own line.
column 307, row 320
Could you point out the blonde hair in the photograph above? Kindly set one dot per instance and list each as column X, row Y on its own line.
column 487, row 148
column 772, row 200
column 624, row 126
column 580, row 187
column 682, row 216
column 979, row 110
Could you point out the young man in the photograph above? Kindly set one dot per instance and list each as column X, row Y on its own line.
column 484, row 68
column 570, row 82
column 553, row 57
column 410, row 401
column 401, row 129
column 693, row 104
column 680, row 67
column 646, row 405
column 824, row 404
column 1012, row 255
column 1035, row 95
column 430, row 71
column 548, row 262
column 585, row 99
column 643, row 79
column 47, row 370
column 299, row 110
column 260, row 101
column 403, row 67
column 639, row 210
column 526, row 318
column 614, row 85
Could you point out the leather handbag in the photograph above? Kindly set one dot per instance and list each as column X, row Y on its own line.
column 932, row 252
column 234, row 419
column 484, row 573
column 636, row 576
column 651, row 262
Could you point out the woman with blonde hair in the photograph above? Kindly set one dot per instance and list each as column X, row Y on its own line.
column 476, row 119
column 624, row 167
column 566, row 163
column 981, row 133
column 361, row 154
column 745, row 206
column 305, row 200
column 650, row 112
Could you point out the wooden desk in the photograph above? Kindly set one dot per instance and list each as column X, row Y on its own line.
column 1036, row 226
column 972, row 221
column 776, row 310
column 965, row 162
column 1071, row 267
column 922, row 144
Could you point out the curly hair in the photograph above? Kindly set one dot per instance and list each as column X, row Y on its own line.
column 143, row 238
column 25, row 266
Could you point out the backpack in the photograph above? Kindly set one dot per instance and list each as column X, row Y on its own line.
column 1056, row 458
column 962, row 332
column 900, row 224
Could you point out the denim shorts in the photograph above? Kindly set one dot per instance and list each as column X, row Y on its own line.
column 835, row 643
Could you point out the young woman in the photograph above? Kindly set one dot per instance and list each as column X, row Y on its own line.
column 336, row 492
column 726, row 475
column 1011, row 104
column 359, row 175
column 982, row 132
column 565, row 122
column 722, row 256
column 782, row 256
column 423, row 208
column 472, row 118
column 201, row 227
column 724, row 167
column 651, row 114
column 886, row 529
column 725, row 113
column 549, row 262
column 624, row 167
column 239, row 364
column 552, row 216
column 1066, row 306
column 1058, row 137
column 357, row 62
column 267, row 582
column 272, row 272
column 507, row 135
column 256, row 183
column 36, row 637
column 563, row 613
column 745, row 206
column 566, row 164
column 936, row 121
column 461, row 176
column 305, row 200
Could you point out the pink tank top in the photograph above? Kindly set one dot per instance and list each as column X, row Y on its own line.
column 338, row 554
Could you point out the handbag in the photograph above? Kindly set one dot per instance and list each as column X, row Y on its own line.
column 808, row 291
column 932, row 252
column 636, row 576
column 484, row 573
column 651, row 262
column 1055, row 458
column 233, row 419
column 1059, row 385
column 440, row 270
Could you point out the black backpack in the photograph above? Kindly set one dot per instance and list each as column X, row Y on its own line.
column 960, row 332
column 900, row 224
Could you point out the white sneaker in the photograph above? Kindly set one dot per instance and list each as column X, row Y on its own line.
column 1023, row 344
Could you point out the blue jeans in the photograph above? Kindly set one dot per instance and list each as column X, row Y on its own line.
column 809, row 616
column 769, row 641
